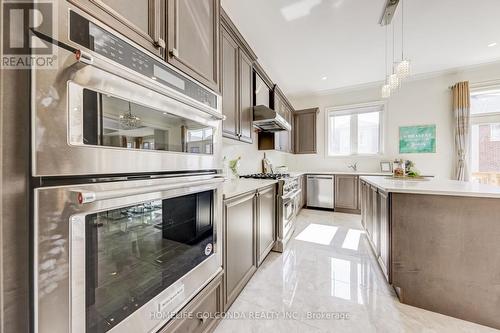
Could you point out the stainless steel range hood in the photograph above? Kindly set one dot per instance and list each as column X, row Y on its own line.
column 269, row 120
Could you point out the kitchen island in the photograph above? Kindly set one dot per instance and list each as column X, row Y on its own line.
column 437, row 243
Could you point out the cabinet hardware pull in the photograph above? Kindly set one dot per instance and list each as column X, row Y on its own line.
column 160, row 43
column 174, row 53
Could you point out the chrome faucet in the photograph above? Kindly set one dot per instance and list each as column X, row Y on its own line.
column 353, row 166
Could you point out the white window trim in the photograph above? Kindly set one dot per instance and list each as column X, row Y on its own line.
column 347, row 109
column 484, row 118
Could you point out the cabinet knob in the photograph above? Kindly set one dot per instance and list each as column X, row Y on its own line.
column 174, row 53
column 160, row 43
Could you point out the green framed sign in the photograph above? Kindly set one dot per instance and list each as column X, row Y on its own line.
column 417, row 139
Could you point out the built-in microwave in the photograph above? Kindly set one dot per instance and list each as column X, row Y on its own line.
column 123, row 256
column 110, row 107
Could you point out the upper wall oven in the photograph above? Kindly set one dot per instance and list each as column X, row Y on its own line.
column 110, row 108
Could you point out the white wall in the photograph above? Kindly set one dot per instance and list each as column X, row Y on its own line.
column 420, row 101
column 251, row 157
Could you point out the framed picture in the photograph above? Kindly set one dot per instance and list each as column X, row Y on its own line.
column 417, row 139
column 386, row 166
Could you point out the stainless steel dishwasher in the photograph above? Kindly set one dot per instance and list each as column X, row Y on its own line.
column 320, row 191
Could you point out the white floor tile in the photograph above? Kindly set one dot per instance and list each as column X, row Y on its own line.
column 334, row 286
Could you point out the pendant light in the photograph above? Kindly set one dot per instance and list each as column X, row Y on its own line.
column 403, row 67
column 128, row 120
column 386, row 88
column 393, row 78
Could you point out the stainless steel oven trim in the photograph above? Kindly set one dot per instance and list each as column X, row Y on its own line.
column 65, row 298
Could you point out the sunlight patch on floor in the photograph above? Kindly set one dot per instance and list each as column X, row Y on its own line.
column 317, row 233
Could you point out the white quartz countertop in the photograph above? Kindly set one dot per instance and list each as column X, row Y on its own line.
column 232, row 188
column 434, row 186
column 354, row 173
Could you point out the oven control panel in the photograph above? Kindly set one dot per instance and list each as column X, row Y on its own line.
column 103, row 42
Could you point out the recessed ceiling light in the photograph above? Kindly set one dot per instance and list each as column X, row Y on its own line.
column 324, row 78
column 492, row 44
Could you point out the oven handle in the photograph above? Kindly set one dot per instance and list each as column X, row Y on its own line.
column 291, row 196
column 85, row 197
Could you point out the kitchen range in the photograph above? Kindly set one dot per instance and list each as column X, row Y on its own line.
column 287, row 205
column 127, row 194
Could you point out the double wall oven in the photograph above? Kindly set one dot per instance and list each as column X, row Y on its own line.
column 126, row 184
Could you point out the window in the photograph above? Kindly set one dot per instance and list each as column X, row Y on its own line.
column 485, row 136
column 355, row 130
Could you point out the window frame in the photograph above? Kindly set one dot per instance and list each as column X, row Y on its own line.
column 349, row 109
column 481, row 118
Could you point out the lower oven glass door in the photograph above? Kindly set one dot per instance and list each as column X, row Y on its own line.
column 126, row 260
column 133, row 253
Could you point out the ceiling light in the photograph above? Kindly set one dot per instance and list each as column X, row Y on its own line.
column 403, row 69
column 492, row 44
column 386, row 91
column 394, row 81
column 324, row 78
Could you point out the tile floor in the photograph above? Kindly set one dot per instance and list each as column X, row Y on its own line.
column 328, row 269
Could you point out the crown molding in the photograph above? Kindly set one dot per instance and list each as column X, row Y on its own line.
column 415, row 77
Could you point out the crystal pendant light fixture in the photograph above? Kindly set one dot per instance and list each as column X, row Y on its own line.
column 403, row 67
column 394, row 81
column 386, row 91
column 128, row 120
column 386, row 88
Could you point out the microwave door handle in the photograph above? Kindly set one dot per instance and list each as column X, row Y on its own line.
column 85, row 197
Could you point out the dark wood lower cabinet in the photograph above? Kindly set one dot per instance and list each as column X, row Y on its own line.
column 346, row 193
column 375, row 218
column 239, row 231
column 249, row 232
column 202, row 314
column 266, row 223
column 385, row 246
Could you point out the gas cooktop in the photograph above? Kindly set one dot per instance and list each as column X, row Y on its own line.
column 267, row 175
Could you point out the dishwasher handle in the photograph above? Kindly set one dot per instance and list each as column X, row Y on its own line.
column 320, row 177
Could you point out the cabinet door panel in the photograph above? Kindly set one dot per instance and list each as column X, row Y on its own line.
column 246, row 97
column 305, row 133
column 190, row 319
column 240, row 248
column 230, row 92
column 266, row 204
column 193, row 42
column 346, row 192
column 384, row 234
column 375, row 221
column 139, row 20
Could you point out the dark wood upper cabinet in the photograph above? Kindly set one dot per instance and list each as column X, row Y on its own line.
column 141, row 21
column 282, row 140
column 229, row 86
column 236, row 82
column 193, row 39
column 305, row 131
column 246, row 97
column 263, row 86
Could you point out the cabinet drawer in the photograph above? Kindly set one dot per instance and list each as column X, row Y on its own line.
column 202, row 313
